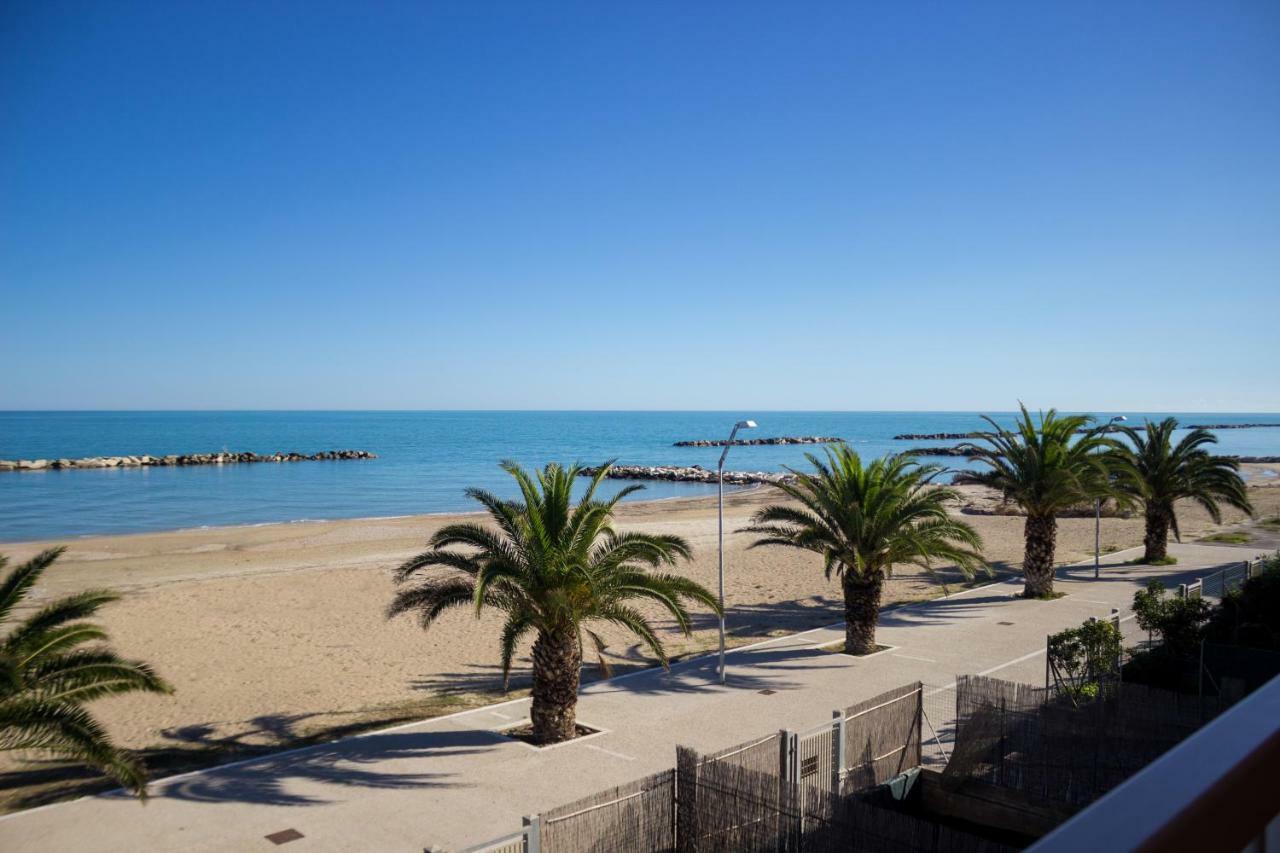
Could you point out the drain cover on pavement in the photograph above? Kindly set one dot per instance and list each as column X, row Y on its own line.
column 284, row 836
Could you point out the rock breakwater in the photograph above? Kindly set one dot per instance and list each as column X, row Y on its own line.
column 1231, row 426
column 941, row 451
column 686, row 474
column 224, row 457
column 754, row 442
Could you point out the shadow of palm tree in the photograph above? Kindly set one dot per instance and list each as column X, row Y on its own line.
column 277, row 779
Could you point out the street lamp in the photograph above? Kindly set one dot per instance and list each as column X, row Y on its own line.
column 1097, row 512
column 720, row 517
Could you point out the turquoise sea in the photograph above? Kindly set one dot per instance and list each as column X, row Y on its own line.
column 426, row 459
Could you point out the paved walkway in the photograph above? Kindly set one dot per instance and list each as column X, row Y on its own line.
column 454, row 781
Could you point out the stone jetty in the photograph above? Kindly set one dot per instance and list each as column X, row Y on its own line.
column 754, row 442
column 1230, row 426
column 941, row 451
column 687, row 474
column 936, row 436
column 224, row 457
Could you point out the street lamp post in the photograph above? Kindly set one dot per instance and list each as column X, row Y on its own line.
column 720, row 526
column 1097, row 513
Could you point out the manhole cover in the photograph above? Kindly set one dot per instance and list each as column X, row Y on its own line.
column 284, row 836
column 766, row 692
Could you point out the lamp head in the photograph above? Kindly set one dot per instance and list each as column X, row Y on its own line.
column 746, row 425
column 1118, row 419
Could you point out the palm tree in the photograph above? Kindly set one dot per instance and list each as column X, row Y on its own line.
column 1159, row 473
column 47, row 675
column 1044, row 468
column 551, row 567
column 864, row 519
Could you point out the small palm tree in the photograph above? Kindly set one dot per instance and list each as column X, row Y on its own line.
column 864, row 519
column 1159, row 473
column 551, row 567
column 1044, row 468
column 47, row 674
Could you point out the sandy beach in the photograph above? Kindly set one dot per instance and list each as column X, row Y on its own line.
column 275, row 633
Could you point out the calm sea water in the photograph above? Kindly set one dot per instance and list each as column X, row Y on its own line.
column 426, row 459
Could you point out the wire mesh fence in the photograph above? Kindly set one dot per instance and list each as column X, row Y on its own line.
column 817, row 758
column 938, row 719
column 1227, row 579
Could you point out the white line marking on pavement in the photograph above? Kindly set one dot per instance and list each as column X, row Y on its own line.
column 499, row 714
column 913, row 657
column 1027, row 656
column 609, row 752
column 997, row 668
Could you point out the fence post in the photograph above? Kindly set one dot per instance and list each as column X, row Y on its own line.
column 837, row 750
column 790, row 793
column 1046, row 661
column 686, row 800
column 533, row 834
column 919, row 723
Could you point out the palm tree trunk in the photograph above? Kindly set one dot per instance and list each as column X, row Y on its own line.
column 1041, row 534
column 557, row 665
column 861, row 613
column 1156, row 542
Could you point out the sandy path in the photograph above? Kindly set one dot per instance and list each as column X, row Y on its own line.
column 272, row 632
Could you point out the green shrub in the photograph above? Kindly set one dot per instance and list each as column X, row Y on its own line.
column 1086, row 657
column 1179, row 621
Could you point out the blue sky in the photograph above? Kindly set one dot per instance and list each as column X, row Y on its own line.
column 649, row 205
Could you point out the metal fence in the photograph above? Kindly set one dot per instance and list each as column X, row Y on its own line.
column 1227, row 579
column 745, row 797
column 938, row 729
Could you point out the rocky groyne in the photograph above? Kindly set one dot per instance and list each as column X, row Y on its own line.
column 941, row 451
column 1231, row 426
column 936, row 436
column 686, row 474
column 224, row 457
column 755, row 442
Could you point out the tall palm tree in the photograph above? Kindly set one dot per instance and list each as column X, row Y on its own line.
column 1044, row 468
column 1159, row 473
column 551, row 567
column 47, row 674
column 864, row 519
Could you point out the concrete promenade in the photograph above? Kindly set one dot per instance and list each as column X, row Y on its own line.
column 455, row 781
